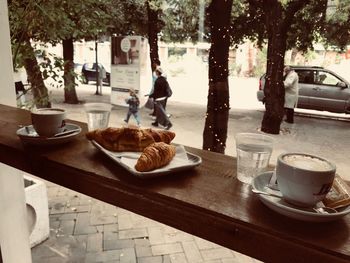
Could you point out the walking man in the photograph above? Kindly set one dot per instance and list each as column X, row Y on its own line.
column 290, row 82
column 160, row 95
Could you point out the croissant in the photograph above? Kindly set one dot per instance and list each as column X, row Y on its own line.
column 128, row 138
column 155, row 156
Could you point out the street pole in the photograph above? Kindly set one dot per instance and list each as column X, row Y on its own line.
column 97, row 73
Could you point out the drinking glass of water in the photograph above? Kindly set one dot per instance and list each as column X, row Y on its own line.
column 253, row 155
column 97, row 115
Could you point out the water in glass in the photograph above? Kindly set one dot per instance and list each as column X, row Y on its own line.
column 251, row 160
column 97, row 119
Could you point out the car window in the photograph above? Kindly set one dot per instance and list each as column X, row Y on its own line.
column 306, row 76
column 326, row 78
column 89, row 66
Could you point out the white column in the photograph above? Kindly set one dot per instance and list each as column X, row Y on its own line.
column 14, row 236
column 7, row 90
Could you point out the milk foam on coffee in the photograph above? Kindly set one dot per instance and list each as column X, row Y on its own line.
column 48, row 112
column 307, row 162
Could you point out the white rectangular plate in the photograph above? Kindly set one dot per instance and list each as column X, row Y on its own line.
column 183, row 160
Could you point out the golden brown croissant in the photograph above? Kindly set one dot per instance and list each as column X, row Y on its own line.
column 128, row 139
column 155, row 156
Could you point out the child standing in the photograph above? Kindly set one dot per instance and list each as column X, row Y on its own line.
column 134, row 104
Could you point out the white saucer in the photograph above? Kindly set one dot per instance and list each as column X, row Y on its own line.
column 28, row 135
column 183, row 160
column 278, row 205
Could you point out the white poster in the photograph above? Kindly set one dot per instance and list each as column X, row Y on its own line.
column 130, row 68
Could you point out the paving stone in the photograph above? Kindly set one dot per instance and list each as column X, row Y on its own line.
column 67, row 227
column 42, row 251
column 174, row 235
column 143, row 251
column 234, row 260
column 216, row 253
column 77, row 209
column 110, row 228
column 86, row 200
column 144, row 241
column 156, row 235
column 101, row 219
column 133, row 233
column 73, row 199
column 204, row 244
column 110, row 235
column 100, row 228
column 98, row 206
column 52, row 191
column 67, row 248
column 94, row 242
column 139, row 240
column 54, row 224
column 141, row 221
column 82, row 225
column 156, row 259
column 166, row 259
column 52, row 260
column 68, row 216
column 63, row 192
column 57, row 207
column 103, row 256
column 82, row 239
column 164, row 249
column 122, row 211
column 192, row 252
column 178, row 258
column 128, row 255
column 118, row 244
column 124, row 222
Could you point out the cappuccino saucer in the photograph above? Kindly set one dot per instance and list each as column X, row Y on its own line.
column 261, row 183
column 28, row 135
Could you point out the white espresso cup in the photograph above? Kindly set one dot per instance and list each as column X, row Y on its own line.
column 304, row 179
column 48, row 121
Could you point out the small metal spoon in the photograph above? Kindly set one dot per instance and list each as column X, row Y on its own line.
column 319, row 210
column 66, row 132
column 325, row 210
column 265, row 193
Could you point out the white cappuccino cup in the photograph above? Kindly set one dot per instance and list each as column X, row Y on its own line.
column 48, row 121
column 304, row 179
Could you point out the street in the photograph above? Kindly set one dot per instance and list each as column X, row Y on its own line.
column 320, row 133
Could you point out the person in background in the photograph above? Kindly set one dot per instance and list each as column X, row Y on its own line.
column 160, row 96
column 101, row 76
column 19, row 87
column 134, row 104
column 290, row 82
column 155, row 65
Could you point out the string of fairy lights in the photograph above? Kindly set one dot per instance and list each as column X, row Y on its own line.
column 222, row 70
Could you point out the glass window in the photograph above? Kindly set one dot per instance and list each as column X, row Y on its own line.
column 89, row 66
column 306, row 76
column 326, row 78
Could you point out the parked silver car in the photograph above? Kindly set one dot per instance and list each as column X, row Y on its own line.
column 319, row 89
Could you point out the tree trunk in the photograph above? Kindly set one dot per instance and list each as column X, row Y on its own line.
column 278, row 22
column 153, row 31
column 70, row 95
column 40, row 93
column 274, row 88
column 215, row 130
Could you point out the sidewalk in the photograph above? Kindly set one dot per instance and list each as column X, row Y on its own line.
column 87, row 230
